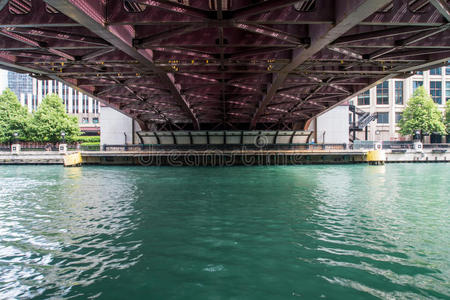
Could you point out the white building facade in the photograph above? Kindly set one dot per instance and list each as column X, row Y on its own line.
column 117, row 128
column 388, row 100
column 331, row 127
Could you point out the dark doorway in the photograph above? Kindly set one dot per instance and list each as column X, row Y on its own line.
column 435, row 138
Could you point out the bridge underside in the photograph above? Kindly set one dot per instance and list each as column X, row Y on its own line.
column 228, row 64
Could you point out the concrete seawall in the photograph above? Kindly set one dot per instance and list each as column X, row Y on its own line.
column 31, row 158
column 427, row 155
column 223, row 158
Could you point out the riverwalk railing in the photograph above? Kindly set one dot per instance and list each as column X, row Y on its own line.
column 395, row 145
column 222, row 147
column 358, row 145
column 32, row 146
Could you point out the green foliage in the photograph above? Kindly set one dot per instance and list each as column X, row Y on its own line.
column 50, row 120
column 421, row 113
column 92, row 146
column 13, row 117
column 85, row 139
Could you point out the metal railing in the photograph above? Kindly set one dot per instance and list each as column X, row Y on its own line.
column 28, row 146
column 396, row 145
column 222, row 147
column 436, row 146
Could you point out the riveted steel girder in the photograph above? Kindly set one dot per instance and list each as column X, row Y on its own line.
column 223, row 64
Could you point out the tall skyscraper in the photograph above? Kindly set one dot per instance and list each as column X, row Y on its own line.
column 20, row 84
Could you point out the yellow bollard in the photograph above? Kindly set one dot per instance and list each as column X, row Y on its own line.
column 376, row 157
column 73, row 160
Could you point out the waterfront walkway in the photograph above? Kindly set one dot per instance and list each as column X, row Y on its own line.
column 177, row 157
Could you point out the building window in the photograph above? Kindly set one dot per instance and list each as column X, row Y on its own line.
column 383, row 93
column 364, row 98
column 398, row 117
column 383, row 118
column 20, row 83
column 34, row 102
column 416, row 84
column 436, row 91
column 419, row 72
column 85, row 104
column 95, row 107
column 436, row 71
column 54, row 87
column 95, row 120
column 447, row 70
column 65, row 96
column 75, row 108
column 44, row 88
column 399, row 92
column 447, row 91
column 85, row 120
column 36, row 87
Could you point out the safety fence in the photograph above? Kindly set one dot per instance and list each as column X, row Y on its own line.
column 395, row 145
column 222, row 147
column 32, row 146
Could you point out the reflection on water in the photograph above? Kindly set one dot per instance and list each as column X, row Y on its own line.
column 386, row 226
column 335, row 232
column 61, row 229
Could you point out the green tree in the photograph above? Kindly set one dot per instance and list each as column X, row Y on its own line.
column 13, row 117
column 421, row 113
column 50, row 119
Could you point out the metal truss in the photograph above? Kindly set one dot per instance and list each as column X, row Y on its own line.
column 218, row 65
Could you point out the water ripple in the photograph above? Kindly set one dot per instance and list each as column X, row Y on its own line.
column 57, row 234
column 333, row 232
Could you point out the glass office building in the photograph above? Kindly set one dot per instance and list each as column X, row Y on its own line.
column 31, row 91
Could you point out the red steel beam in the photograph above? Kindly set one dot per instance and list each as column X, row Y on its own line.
column 408, row 41
column 34, row 43
column 146, row 41
column 384, row 33
column 91, row 15
column 348, row 15
column 260, row 8
column 443, row 7
column 59, row 35
column 175, row 7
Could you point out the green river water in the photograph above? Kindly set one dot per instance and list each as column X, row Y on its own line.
column 283, row 232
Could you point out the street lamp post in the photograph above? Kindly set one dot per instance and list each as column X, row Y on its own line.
column 417, row 140
column 63, row 146
column 417, row 135
column 15, row 134
column 15, row 147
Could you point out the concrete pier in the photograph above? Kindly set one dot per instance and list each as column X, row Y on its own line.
column 32, row 158
column 224, row 157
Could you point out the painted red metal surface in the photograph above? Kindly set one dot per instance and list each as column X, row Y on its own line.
column 228, row 64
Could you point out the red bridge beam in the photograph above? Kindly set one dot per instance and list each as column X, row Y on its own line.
column 85, row 13
column 348, row 15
